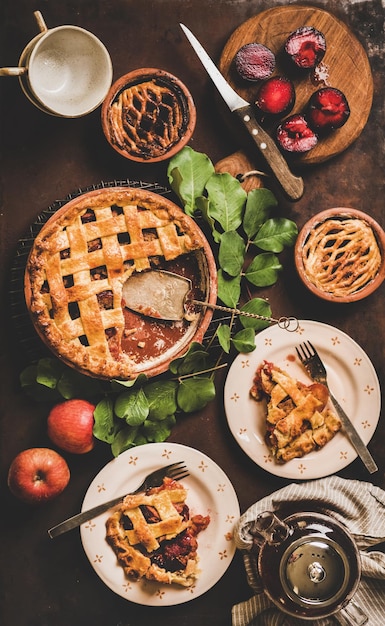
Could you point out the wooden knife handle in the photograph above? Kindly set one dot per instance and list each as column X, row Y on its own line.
column 291, row 184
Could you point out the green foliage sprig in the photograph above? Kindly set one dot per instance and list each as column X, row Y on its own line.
column 134, row 412
column 240, row 223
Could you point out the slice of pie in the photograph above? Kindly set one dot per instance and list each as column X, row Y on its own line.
column 298, row 419
column 155, row 538
column 79, row 263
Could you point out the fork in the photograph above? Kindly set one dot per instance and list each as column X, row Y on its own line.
column 314, row 366
column 176, row 471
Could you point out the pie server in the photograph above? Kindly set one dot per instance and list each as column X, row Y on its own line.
column 292, row 185
column 163, row 295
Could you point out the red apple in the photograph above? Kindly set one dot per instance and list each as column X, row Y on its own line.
column 70, row 426
column 38, row 475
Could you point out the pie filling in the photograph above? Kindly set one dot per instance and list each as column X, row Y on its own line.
column 154, row 536
column 77, row 268
column 298, row 419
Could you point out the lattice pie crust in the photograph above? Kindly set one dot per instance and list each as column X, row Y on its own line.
column 154, row 537
column 80, row 261
column 341, row 256
column 298, row 420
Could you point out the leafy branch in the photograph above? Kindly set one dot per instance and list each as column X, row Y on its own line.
column 241, row 224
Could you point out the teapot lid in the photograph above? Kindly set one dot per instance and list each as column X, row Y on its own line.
column 314, row 569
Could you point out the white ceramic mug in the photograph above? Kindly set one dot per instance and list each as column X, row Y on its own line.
column 65, row 71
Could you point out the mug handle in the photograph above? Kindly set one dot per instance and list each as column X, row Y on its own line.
column 12, row 71
column 40, row 21
column 19, row 71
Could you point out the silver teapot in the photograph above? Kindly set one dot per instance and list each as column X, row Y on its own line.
column 309, row 565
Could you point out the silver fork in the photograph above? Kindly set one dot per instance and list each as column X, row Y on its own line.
column 312, row 363
column 176, row 471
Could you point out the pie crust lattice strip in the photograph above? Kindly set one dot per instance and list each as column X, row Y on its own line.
column 298, row 419
column 341, row 256
column 80, row 261
column 154, row 537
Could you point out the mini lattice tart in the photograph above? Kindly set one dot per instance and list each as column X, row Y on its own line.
column 339, row 255
column 148, row 115
column 79, row 263
column 155, row 538
column 298, row 419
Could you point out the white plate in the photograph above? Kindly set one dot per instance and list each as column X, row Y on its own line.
column 351, row 377
column 209, row 493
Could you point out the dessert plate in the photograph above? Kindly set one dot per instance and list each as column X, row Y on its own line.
column 352, row 379
column 209, row 493
column 344, row 66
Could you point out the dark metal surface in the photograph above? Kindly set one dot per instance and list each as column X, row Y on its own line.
column 43, row 159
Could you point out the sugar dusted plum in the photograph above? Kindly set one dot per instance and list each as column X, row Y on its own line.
column 254, row 61
column 276, row 96
column 295, row 135
column 306, row 47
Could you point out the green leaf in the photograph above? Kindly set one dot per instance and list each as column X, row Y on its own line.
column 224, row 337
column 231, row 254
column 104, row 426
column 229, row 289
column 244, row 340
column 275, row 234
column 203, row 205
column 132, row 406
column 258, row 206
column 117, row 385
column 161, row 397
column 263, row 270
column 157, row 432
column 257, row 306
column 227, row 200
column 195, row 360
column 48, row 372
column 124, row 440
column 194, row 393
column 188, row 171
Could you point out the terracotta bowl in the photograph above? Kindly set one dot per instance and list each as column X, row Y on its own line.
column 148, row 115
column 340, row 255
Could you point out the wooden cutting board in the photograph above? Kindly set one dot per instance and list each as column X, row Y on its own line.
column 345, row 61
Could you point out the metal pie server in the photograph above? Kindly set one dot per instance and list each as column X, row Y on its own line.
column 291, row 184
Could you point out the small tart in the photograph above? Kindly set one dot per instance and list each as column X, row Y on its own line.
column 298, row 419
column 340, row 255
column 79, row 263
column 148, row 115
column 154, row 537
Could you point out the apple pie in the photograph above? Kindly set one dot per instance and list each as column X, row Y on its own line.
column 341, row 256
column 79, row 263
column 155, row 538
column 298, row 419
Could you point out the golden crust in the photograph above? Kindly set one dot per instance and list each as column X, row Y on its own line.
column 341, row 256
column 297, row 420
column 146, row 119
column 80, row 261
column 138, row 542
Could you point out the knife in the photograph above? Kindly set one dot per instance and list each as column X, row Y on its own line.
column 292, row 185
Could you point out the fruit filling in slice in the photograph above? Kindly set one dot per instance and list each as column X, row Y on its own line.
column 298, row 419
column 154, row 536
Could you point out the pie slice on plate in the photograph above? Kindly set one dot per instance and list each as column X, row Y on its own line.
column 154, row 536
column 298, row 419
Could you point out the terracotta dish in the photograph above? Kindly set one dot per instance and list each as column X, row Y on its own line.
column 340, row 255
column 77, row 269
column 148, row 115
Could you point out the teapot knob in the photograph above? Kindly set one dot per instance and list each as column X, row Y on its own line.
column 316, row 572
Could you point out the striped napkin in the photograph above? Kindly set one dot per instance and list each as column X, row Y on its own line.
column 360, row 506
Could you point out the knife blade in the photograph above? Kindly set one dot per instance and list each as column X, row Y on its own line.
column 291, row 184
